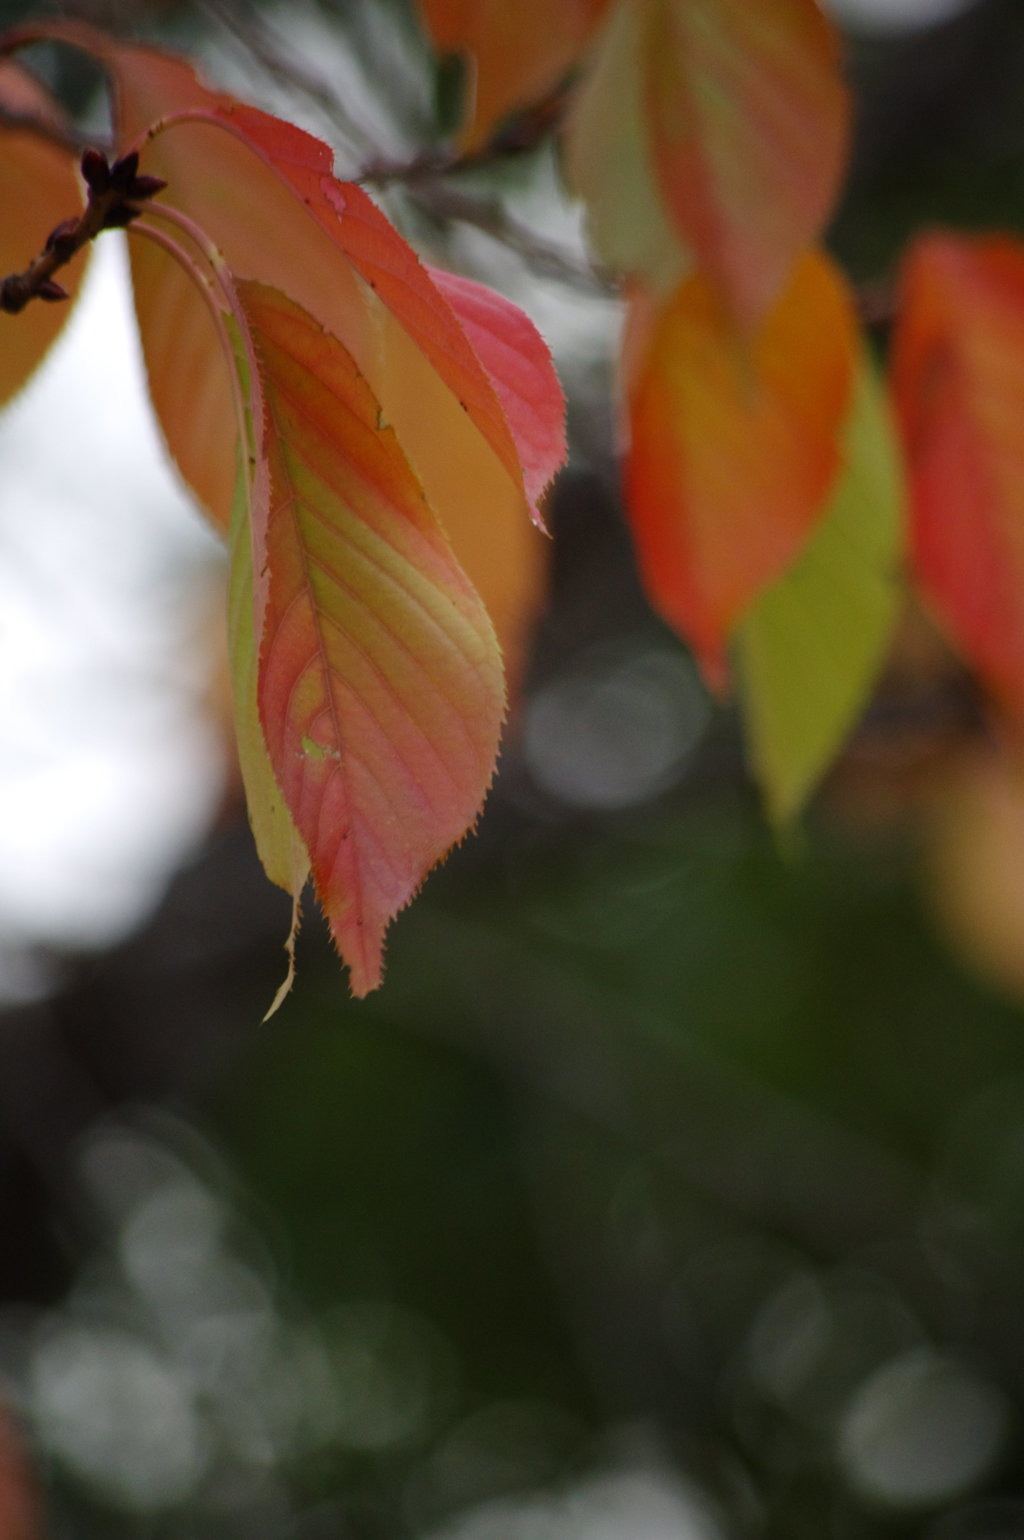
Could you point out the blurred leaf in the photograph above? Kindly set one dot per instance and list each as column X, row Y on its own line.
column 731, row 117
column 608, row 158
column 810, row 647
column 958, row 381
column 735, row 448
column 519, row 52
column 975, row 865
column 39, row 187
column 749, row 120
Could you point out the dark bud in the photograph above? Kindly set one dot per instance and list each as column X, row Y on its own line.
column 63, row 238
column 142, row 187
column 95, row 170
column 51, row 291
column 123, row 170
column 13, row 294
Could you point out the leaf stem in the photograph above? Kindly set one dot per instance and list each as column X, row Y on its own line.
column 216, row 279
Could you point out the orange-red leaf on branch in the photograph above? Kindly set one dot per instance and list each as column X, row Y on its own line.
column 380, row 681
column 39, row 188
column 749, row 120
column 958, row 382
column 265, row 193
column 395, row 274
column 519, row 52
column 734, row 447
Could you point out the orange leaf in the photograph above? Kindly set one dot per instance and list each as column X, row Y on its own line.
column 380, row 688
column 519, row 52
column 734, row 448
column 958, row 381
column 39, row 188
column 749, row 122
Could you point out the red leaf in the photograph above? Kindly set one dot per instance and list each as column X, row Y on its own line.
column 734, row 448
column 749, row 120
column 958, row 382
column 380, row 681
column 519, row 367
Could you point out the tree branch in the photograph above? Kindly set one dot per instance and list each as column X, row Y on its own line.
column 63, row 135
column 443, row 202
column 117, row 195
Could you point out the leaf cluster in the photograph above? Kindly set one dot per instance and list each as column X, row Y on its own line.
column 358, row 426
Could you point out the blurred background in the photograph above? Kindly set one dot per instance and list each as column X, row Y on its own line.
column 672, row 1187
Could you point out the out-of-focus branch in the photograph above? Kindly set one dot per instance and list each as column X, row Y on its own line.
column 64, row 135
column 271, row 53
column 426, row 178
column 445, row 203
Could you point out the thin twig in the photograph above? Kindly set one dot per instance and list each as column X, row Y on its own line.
column 548, row 260
column 117, row 195
column 266, row 47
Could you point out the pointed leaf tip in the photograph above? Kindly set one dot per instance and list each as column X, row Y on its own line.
column 810, row 647
column 380, row 687
column 517, row 361
column 734, row 447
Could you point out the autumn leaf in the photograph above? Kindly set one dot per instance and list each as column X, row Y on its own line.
column 958, row 384
column 727, row 118
column 518, row 365
column 734, row 448
column 39, row 185
column 264, row 192
column 810, row 647
column 368, row 680
column 608, row 161
column 518, row 54
column 380, row 686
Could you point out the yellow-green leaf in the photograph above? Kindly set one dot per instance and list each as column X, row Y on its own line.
column 809, row 649
column 608, row 159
